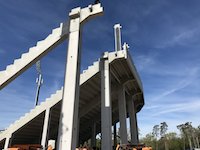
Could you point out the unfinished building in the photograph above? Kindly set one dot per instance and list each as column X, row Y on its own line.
column 89, row 103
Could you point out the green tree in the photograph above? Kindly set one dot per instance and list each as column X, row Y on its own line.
column 155, row 133
column 163, row 130
column 181, row 127
column 190, row 134
column 188, row 129
column 198, row 135
column 149, row 140
column 174, row 142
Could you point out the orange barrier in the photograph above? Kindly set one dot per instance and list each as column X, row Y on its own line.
column 26, row 147
column 132, row 147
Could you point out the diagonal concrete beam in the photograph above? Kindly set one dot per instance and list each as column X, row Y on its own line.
column 34, row 54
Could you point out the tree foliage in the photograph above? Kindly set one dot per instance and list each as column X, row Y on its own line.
column 160, row 139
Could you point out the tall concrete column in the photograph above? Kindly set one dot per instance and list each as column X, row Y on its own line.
column 7, row 142
column 67, row 134
column 45, row 128
column 115, row 135
column 133, row 121
column 122, row 115
column 118, row 42
column 106, row 120
column 136, row 128
column 78, row 129
column 93, row 138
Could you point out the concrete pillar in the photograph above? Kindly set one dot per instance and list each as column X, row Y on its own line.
column 106, row 120
column 45, row 128
column 122, row 115
column 133, row 121
column 136, row 128
column 78, row 129
column 115, row 135
column 93, row 138
column 67, row 135
column 117, row 31
column 7, row 142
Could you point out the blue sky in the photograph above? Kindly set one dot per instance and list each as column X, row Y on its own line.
column 164, row 39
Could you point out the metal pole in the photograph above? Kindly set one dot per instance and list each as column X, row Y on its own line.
column 39, row 83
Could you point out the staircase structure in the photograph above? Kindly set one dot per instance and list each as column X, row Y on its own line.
column 34, row 54
column 100, row 95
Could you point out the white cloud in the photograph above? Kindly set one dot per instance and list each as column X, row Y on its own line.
column 182, row 36
column 144, row 62
column 188, row 107
column 154, row 65
column 187, row 78
column 175, row 88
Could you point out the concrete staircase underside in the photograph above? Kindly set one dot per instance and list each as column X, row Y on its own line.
column 28, row 128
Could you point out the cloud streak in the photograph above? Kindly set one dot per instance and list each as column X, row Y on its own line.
column 186, row 107
column 185, row 37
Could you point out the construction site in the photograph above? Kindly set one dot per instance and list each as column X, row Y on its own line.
column 90, row 103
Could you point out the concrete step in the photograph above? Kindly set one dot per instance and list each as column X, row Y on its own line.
column 2, row 73
column 29, row 58
column 17, row 61
column 96, row 63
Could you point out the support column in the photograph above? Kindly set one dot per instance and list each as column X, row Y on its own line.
column 106, row 120
column 67, row 133
column 122, row 115
column 78, row 129
column 115, row 135
column 7, row 142
column 136, row 128
column 93, row 138
column 133, row 121
column 67, row 136
column 45, row 128
column 118, row 42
